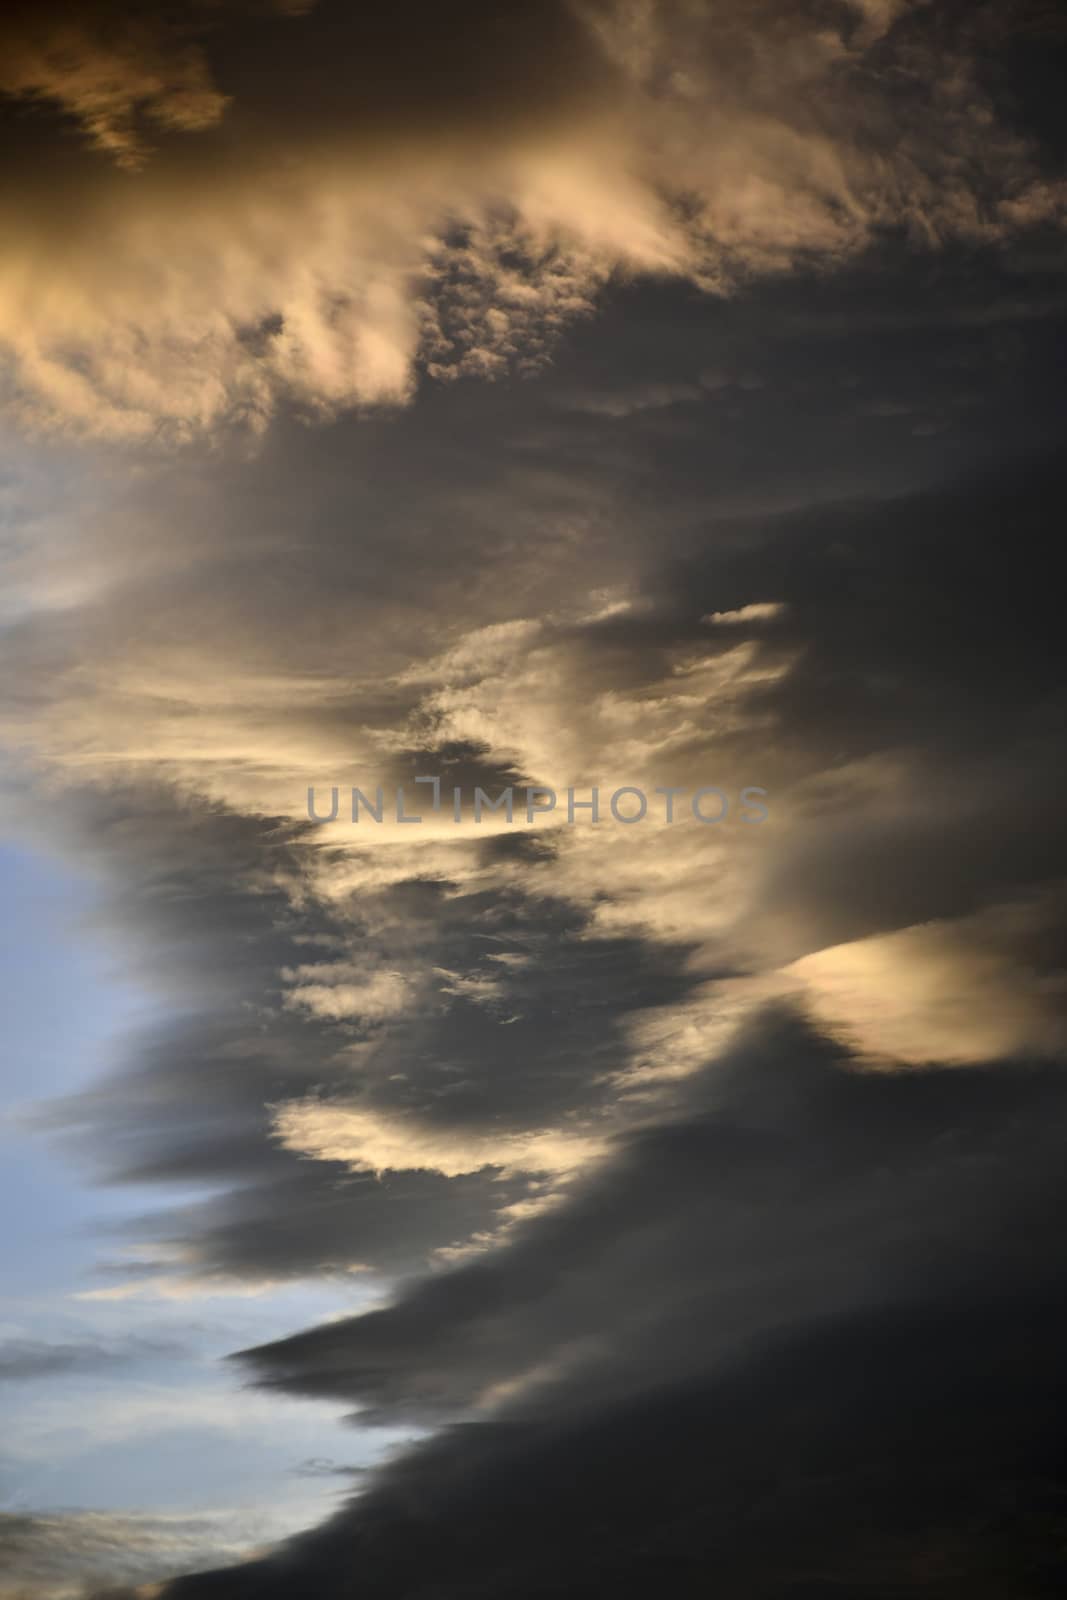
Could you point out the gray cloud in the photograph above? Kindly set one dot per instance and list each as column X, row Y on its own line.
column 804, row 1190
column 860, row 1377
column 57, row 1554
column 874, row 742
column 707, row 1178
column 22, row 1359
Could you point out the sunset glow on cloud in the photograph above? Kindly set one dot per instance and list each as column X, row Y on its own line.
column 531, row 700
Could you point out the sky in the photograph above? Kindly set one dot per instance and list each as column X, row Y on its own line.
column 531, row 717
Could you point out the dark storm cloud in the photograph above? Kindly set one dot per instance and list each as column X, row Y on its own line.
column 900, row 1454
column 790, row 1188
column 805, row 1339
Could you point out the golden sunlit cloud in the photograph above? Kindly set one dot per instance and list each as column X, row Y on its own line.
column 370, row 1142
column 256, row 261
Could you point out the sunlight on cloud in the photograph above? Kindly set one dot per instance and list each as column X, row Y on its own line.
column 370, row 1142
column 949, row 992
column 305, row 267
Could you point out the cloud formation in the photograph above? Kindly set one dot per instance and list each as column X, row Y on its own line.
column 22, row 1359
column 105, row 66
column 699, row 1182
column 306, row 236
column 57, row 1556
column 833, row 1397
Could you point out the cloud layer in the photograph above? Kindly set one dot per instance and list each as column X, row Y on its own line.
column 699, row 1181
column 305, row 207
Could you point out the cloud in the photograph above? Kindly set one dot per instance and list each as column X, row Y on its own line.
column 780, row 1113
column 767, row 1342
column 58, row 1555
column 783, row 1470
column 338, row 989
column 349, row 978
column 976, row 989
column 708, row 1172
column 375, row 1144
column 639, row 397
column 460, row 1128
column 22, row 1359
column 758, row 611
column 303, row 237
column 106, row 65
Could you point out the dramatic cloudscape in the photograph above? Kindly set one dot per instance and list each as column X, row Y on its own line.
column 532, row 699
